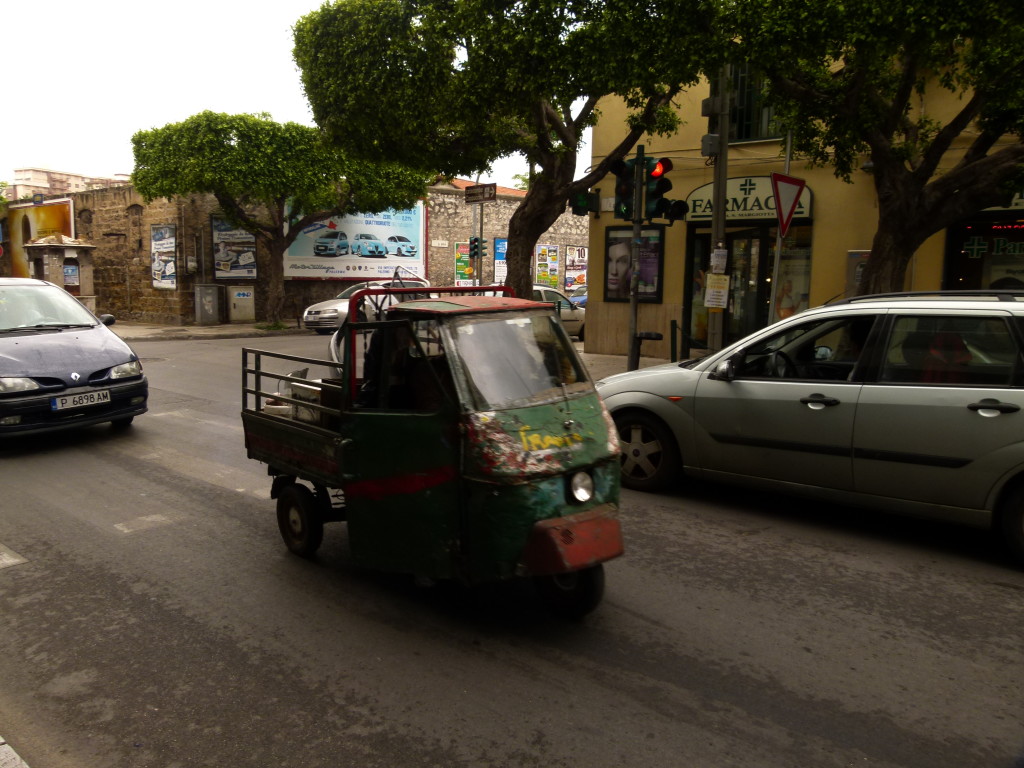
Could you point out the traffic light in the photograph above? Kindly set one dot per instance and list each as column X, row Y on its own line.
column 675, row 210
column 482, row 248
column 655, row 187
column 474, row 249
column 624, row 188
column 582, row 203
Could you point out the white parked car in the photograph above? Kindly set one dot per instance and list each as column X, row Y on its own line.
column 327, row 316
column 572, row 315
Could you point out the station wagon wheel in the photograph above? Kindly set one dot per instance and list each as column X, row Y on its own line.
column 572, row 594
column 649, row 457
column 299, row 520
column 1011, row 523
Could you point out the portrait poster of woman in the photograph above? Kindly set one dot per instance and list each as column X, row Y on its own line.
column 618, row 261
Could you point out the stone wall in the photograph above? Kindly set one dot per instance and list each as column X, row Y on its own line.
column 119, row 224
column 451, row 221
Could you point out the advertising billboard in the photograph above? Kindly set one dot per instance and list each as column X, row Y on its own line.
column 234, row 251
column 27, row 222
column 363, row 246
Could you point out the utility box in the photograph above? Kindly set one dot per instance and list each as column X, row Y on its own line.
column 241, row 305
column 209, row 300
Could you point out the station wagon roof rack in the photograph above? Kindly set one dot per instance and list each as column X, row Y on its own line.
column 990, row 295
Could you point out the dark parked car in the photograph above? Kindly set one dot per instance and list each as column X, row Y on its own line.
column 61, row 366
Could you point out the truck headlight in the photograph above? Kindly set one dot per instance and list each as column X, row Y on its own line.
column 581, row 486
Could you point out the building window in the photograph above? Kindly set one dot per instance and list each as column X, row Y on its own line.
column 750, row 118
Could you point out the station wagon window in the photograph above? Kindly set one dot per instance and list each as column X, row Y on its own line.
column 824, row 349
column 944, row 350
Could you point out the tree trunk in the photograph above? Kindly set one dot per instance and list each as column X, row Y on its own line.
column 539, row 210
column 903, row 225
column 271, row 277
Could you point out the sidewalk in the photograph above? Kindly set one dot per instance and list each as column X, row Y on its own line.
column 599, row 365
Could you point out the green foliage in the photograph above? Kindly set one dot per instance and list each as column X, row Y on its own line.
column 452, row 85
column 255, row 161
column 852, row 76
column 522, row 180
column 269, row 178
column 928, row 90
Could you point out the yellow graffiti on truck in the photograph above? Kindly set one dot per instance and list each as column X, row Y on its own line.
column 534, row 441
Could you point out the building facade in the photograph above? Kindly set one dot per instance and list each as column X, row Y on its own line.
column 28, row 182
column 690, row 289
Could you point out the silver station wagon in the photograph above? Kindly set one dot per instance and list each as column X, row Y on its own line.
column 910, row 403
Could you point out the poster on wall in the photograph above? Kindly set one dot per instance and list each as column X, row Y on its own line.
column 463, row 268
column 360, row 246
column 27, row 222
column 794, row 291
column 575, row 266
column 546, row 263
column 500, row 261
column 234, row 251
column 617, row 265
column 162, row 249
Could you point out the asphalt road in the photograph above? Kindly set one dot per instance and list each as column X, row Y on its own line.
column 150, row 616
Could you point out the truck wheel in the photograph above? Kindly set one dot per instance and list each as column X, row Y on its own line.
column 649, row 455
column 573, row 594
column 298, row 518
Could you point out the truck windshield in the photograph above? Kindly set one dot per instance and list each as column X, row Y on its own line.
column 512, row 360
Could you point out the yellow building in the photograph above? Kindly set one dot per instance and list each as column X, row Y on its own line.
column 830, row 234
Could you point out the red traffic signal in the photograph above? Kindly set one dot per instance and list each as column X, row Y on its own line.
column 661, row 167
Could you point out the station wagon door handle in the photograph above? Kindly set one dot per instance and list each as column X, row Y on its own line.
column 817, row 402
column 993, row 405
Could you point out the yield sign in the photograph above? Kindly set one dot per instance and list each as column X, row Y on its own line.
column 787, row 191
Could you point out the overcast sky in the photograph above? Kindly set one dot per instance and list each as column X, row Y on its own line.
column 82, row 77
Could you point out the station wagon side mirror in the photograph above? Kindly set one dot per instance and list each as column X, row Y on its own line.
column 107, row 319
column 724, row 371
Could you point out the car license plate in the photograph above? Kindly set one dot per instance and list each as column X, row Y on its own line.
column 80, row 400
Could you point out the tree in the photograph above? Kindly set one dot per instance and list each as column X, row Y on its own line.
column 271, row 179
column 864, row 79
column 452, row 85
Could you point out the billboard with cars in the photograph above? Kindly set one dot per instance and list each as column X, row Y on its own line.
column 366, row 246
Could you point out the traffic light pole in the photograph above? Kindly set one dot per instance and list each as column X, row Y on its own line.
column 633, row 359
column 716, row 315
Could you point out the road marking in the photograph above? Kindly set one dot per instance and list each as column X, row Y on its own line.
column 9, row 557
column 8, row 757
column 143, row 523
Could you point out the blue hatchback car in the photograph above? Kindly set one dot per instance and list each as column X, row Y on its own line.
column 61, row 367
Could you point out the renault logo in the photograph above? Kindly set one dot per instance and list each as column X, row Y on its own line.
column 75, row 376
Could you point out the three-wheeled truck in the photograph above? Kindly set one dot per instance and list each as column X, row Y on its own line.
column 460, row 437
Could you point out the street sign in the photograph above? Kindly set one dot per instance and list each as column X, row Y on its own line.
column 787, row 190
column 482, row 193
